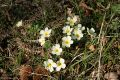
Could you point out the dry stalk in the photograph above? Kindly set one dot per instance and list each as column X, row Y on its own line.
column 101, row 35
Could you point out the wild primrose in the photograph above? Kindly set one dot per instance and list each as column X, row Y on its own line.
column 76, row 32
column 72, row 20
column 50, row 65
column 60, row 64
column 67, row 30
column 46, row 32
column 56, row 49
column 67, row 41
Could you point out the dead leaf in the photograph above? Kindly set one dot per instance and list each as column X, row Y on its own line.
column 86, row 8
column 39, row 73
column 83, row 5
column 111, row 76
column 117, row 67
column 25, row 71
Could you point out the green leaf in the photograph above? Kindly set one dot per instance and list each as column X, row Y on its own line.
column 116, row 8
column 19, row 58
column 47, row 45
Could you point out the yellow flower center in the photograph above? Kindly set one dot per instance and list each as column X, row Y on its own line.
column 49, row 65
column 77, row 35
column 46, row 33
column 56, row 50
column 67, row 42
column 59, row 64
column 67, row 31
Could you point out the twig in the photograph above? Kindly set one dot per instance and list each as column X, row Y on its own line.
column 100, row 53
column 76, row 57
column 100, row 46
column 101, row 28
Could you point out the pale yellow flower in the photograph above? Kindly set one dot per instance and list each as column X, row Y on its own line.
column 56, row 49
column 60, row 64
column 46, row 32
column 77, row 34
column 72, row 20
column 67, row 30
column 66, row 41
column 50, row 65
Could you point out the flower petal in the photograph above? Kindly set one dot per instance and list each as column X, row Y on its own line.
column 62, row 60
column 68, row 37
column 54, row 64
column 57, row 45
column 58, row 68
column 51, row 69
column 42, row 32
column 71, row 42
column 79, row 25
column 63, row 66
column 46, row 29
column 83, row 28
column 49, row 31
column 92, row 29
column 50, row 60
column 68, row 18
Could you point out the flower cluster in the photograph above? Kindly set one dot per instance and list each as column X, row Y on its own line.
column 72, row 31
column 55, row 50
column 50, row 65
column 71, row 20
